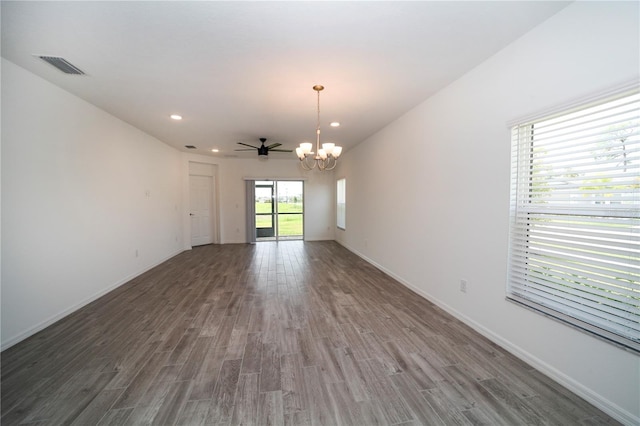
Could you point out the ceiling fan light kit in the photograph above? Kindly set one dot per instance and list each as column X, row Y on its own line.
column 324, row 158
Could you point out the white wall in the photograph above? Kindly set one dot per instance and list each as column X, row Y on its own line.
column 435, row 209
column 89, row 202
column 318, row 187
column 81, row 192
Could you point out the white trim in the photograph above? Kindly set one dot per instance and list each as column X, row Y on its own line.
column 46, row 323
column 599, row 401
column 580, row 102
column 275, row 178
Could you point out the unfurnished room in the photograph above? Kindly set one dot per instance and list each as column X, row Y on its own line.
column 320, row 213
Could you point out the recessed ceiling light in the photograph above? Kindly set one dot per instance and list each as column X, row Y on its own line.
column 215, row 150
column 176, row 116
column 335, row 124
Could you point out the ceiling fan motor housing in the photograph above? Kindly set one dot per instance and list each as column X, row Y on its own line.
column 263, row 150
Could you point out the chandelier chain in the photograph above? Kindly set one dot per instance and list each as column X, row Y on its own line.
column 318, row 129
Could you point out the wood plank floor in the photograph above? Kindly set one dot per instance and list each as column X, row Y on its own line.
column 273, row 334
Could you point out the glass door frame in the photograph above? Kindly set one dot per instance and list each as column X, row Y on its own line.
column 274, row 233
column 264, row 232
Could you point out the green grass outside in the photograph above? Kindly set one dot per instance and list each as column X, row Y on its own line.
column 288, row 224
column 282, row 207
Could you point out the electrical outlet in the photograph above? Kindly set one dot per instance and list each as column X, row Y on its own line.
column 463, row 286
column 136, row 252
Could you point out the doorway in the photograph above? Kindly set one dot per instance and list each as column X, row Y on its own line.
column 202, row 204
column 200, row 211
column 279, row 210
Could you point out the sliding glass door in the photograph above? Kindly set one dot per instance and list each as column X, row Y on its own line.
column 279, row 210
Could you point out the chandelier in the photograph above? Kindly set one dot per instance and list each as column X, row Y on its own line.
column 324, row 158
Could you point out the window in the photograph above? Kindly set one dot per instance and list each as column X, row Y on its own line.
column 341, row 203
column 575, row 218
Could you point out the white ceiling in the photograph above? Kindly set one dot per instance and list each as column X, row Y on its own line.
column 238, row 71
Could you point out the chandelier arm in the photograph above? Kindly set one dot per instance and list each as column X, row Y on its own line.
column 330, row 165
column 305, row 163
column 313, row 163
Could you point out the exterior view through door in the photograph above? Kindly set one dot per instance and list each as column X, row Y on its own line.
column 279, row 210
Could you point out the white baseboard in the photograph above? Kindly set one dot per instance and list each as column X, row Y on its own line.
column 46, row 323
column 612, row 409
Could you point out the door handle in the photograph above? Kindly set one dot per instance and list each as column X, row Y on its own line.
column 191, row 214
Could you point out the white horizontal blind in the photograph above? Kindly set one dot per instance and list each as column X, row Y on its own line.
column 575, row 218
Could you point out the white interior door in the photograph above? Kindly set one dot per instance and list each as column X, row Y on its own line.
column 200, row 194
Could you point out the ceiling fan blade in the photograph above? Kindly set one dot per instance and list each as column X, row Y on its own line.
column 281, row 150
column 245, row 149
column 274, row 145
column 246, row 144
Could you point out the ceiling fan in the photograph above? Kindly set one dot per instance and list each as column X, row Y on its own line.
column 263, row 150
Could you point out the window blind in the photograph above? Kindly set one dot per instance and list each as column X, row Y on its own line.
column 575, row 218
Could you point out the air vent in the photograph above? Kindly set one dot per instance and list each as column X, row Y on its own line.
column 190, row 147
column 62, row 64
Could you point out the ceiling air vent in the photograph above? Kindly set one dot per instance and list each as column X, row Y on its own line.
column 190, row 147
column 62, row 64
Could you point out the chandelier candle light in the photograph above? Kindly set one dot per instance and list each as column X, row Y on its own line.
column 326, row 157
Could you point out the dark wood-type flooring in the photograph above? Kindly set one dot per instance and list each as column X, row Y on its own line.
column 291, row 333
